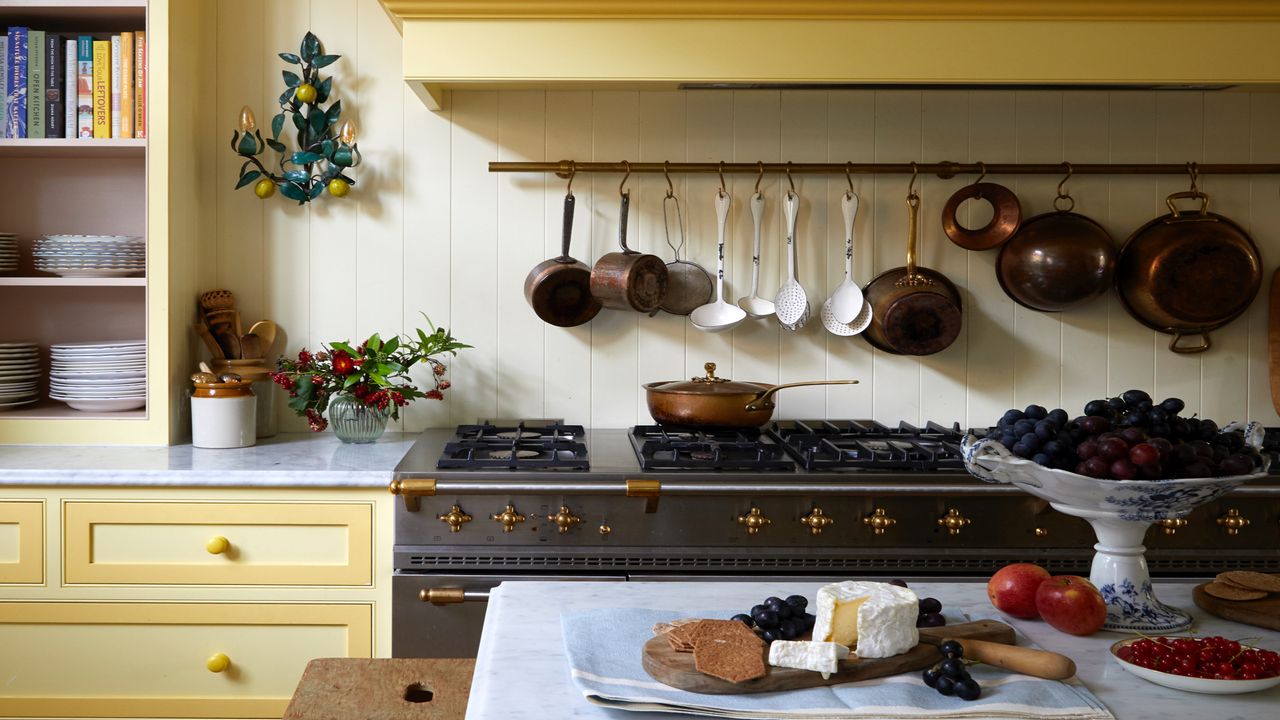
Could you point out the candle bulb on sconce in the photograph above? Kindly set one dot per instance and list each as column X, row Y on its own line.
column 247, row 121
column 348, row 132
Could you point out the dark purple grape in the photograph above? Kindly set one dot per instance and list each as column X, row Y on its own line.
column 766, row 618
column 1036, row 412
column 1098, row 408
column 744, row 619
column 1011, row 416
column 968, row 689
column 931, row 620
column 945, row 685
column 1115, row 403
column 1022, row 427
column 1021, row 450
column 930, row 605
column 787, row 629
column 953, row 668
column 951, row 648
column 931, row 675
column 770, row 634
column 1058, row 416
column 1134, row 397
column 1173, row 406
column 898, row 582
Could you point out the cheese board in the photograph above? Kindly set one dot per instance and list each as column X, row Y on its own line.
column 677, row 669
column 1264, row 613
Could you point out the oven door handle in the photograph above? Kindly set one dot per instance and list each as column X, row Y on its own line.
column 452, row 596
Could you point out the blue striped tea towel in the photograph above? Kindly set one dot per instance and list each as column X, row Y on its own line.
column 604, row 659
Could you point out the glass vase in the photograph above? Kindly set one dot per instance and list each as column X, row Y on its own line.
column 354, row 422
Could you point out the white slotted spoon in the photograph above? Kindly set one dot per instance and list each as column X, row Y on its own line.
column 847, row 300
column 719, row 316
column 756, row 306
column 791, row 302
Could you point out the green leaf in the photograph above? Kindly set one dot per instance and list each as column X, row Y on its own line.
column 391, row 345
column 284, row 96
column 234, row 137
column 277, row 124
column 374, row 342
column 276, row 145
column 333, row 113
column 298, row 176
column 293, row 192
column 345, row 347
column 316, row 190
column 317, row 122
column 310, row 46
column 299, row 121
column 323, row 90
column 342, row 157
column 291, row 79
column 327, row 147
column 247, row 178
column 302, row 158
column 291, row 58
column 305, row 387
column 351, row 381
column 326, row 60
column 248, row 145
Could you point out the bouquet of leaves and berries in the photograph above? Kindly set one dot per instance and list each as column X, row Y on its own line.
column 375, row 373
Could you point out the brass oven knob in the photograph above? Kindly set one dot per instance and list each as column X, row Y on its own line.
column 508, row 517
column 1171, row 525
column 878, row 521
column 1233, row 521
column 454, row 518
column 754, row 520
column 953, row 521
column 816, row 521
column 1041, row 532
column 564, row 519
column 605, row 529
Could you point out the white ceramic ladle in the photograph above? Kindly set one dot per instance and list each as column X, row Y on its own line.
column 791, row 302
column 847, row 301
column 719, row 315
column 754, row 305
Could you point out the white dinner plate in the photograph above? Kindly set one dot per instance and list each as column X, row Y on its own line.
column 8, row 345
column 83, row 380
column 9, row 377
column 98, row 358
column 108, row 389
column 99, row 344
column 19, row 403
column 94, row 273
column 107, row 405
column 99, row 376
column 93, row 238
column 108, row 396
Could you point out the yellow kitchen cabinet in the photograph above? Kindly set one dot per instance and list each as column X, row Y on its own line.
column 217, row 543
column 22, row 542
column 168, row 659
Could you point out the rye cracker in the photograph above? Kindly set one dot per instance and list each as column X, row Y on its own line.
column 734, row 660
column 681, row 637
column 1252, row 580
column 1230, row 592
column 729, row 630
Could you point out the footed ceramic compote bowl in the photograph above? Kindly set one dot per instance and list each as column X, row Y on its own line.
column 1120, row 512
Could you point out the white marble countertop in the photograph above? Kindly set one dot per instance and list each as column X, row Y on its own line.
column 521, row 670
column 286, row 460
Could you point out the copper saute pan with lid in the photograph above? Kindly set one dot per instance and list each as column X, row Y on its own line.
column 711, row 401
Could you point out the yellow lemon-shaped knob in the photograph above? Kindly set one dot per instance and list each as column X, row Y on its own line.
column 218, row 663
column 217, row 545
column 339, row 187
column 264, row 188
column 306, row 93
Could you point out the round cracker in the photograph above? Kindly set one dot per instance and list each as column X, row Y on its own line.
column 1254, row 580
column 1228, row 592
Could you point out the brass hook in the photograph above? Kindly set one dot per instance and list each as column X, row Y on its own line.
column 790, row 182
column 915, row 173
column 666, row 172
column 626, row 164
column 759, row 177
column 847, row 176
column 1194, row 171
column 573, row 170
column 1063, row 183
column 723, row 189
column 982, row 172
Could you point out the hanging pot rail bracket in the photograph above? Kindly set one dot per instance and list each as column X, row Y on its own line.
column 945, row 169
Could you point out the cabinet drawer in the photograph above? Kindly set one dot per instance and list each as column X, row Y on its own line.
column 162, row 543
column 22, row 541
column 157, row 659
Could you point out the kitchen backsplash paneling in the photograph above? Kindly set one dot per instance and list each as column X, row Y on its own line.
column 430, row 230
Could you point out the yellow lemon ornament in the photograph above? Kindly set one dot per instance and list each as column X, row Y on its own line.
column 264, row 188
column 306, row 93
column 339, row 187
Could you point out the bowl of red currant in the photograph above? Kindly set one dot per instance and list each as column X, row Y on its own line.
column 1213, row 665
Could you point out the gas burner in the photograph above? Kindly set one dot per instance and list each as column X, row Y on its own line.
column 516, row 445
column 663, row 447
column 866, row 444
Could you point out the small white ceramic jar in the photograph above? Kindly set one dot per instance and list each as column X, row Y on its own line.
column 222, row 413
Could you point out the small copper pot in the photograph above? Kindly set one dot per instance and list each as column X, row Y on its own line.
column 1006, row 216
column 559, row 289
column 629, row 280
column 1057, row 261
column 711, row 401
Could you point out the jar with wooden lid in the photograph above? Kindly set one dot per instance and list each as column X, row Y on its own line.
column 258, row 372
column 223, row 411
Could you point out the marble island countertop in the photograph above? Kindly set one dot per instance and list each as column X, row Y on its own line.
column 286, row 460
column 522, row 656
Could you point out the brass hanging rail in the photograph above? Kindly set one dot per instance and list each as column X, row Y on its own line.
column 944, row 170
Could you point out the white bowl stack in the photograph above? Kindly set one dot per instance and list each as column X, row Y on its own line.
column 99, row 376
column 19, row 374
column 8, row 253
column 91, row 255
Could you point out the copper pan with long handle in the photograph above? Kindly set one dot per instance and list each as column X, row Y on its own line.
column 711, row 401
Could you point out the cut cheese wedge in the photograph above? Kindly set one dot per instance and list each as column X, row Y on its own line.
column 875, row 620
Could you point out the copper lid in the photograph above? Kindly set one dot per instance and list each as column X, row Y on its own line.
column 708, row 384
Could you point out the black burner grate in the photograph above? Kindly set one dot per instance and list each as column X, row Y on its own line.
column 866, row 444
column 664, row 447
column 515, row 445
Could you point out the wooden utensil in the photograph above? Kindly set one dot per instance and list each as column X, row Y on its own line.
column 215, row 349
column 1263, row 613
column 266, row 330
column 677, row 669
column 250, row 347
column 1273, row 340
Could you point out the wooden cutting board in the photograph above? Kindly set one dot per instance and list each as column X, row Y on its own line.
column 1273, row 341
column 1264, row 613
column 677, row 670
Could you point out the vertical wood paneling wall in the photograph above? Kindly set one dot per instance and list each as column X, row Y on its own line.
column 429, row 230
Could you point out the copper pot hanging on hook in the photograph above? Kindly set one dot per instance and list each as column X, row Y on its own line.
column 1057, row 260
column 628, row 280
column 1006, row 214
column 559, row 289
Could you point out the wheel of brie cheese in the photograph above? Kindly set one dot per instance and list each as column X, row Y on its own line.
column 875, row 620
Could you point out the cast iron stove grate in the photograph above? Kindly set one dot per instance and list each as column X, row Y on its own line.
column 516, row 445
column 866, row 444
column 667, row 447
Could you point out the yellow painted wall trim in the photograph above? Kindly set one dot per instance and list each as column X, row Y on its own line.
column 29, row 517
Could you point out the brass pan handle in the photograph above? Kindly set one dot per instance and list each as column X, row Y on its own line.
column 1188, row 194
column 1204, row 344
column 764, row 401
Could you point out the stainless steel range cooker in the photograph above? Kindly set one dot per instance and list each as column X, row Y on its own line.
column 509, row 500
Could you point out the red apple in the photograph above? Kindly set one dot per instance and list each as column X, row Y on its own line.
column 1013, row 589
column 1071, row 604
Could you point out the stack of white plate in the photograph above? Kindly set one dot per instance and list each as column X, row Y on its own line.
column 19, row 374
column 99, row 376
column 8, row 252
column 91, row 255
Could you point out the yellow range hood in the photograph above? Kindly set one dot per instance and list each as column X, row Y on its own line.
column 668, row 44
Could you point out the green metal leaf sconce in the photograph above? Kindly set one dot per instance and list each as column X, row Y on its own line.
column 327, row 147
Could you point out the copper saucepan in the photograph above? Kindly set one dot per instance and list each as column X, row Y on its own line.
column 711, row 401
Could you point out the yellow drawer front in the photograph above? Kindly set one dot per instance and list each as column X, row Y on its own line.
column 21, row 542
column 167, row 660
column 143, row 543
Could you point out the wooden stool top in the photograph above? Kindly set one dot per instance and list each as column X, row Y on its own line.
column 383, row 689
